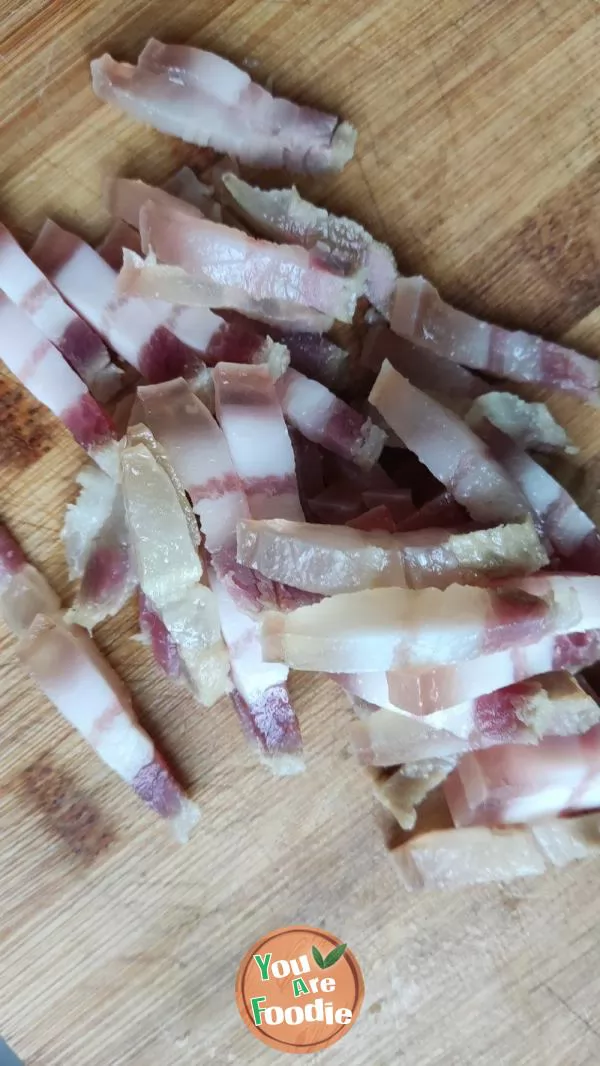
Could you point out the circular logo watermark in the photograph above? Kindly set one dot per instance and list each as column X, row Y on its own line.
column 299, row 989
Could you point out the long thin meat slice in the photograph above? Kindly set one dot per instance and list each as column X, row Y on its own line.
column 333, row 559
column 572, row 535
column 422, row 367
column 198, row 451
column 430, row 690
column 30, row 290
column 256, row 274
column 326, row 420
column 449, row 448
column 42, row 369
column 261, row 697
column 208, row 101
column 282, row 215
column 96, row 544
column 516, row 783
column 119, row 237
column 549, row 705
column 529, row 425
column 163, row 537
column 67, row 666
column 418, row 313
column 250, row 415
column 149, row 280
column 454, row 858
column 125, row 197
column 141, row 332
column 389, row 629
column 24, row 592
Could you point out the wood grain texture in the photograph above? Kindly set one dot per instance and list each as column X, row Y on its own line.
column 479, row 160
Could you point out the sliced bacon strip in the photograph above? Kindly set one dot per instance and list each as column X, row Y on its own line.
column 334, row 559
column 125, row 197
column 250, row 415
column 321, row 417
column 164, row 542
column 119, row 237
column 389, row 629
column 67, row 666
column 429, row 690
column 97, row 549
column 198, row 451
column 253, row 275
column 44, row 372
column 282, row 215
column 208, row 101
column 515, row 783
column 147, row 279
column 569, row 531
column 317, row 357
column 141, row 332
column 418, row 313
column 549, row 705
column 30, row 290
column 154, row 632
column 450, row 450
column 422, row 367
column 24, row 592
column 454, row 858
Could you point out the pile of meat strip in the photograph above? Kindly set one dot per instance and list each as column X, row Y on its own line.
column 388, row 521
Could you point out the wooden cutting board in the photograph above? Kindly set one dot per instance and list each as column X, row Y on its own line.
column 478, row 160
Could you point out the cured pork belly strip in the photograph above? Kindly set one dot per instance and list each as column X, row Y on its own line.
column 450, row 450
column 198, row 450
column 235, row 341
column 454, row 858
column 44, row 372
column 328, row 560
column 96, row 545
column 429, row 690
column 321, row 417
column 164, row 543
column 388, row 629
column 418, row 313
column 30, row 290
column 529, row 425
column 553, row 704
column 147, row 279
column 572, row 535
column 24, row 592
column 422, row 367
column 124, row 198
column 403, row 791
column 256, row 274
column 154, row 632
column 251, row 419
column 67, row 666
column 141, row 332
column 207, row 101
column 282, row 215
column 515, row 783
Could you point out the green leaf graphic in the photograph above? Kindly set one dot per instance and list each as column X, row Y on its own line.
column 332, row 958
column 316, row 954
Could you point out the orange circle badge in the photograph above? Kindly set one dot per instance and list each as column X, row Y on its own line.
column 299, row 989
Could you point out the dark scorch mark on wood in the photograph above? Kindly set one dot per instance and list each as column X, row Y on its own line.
column 27, row 431
column 67, row 811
